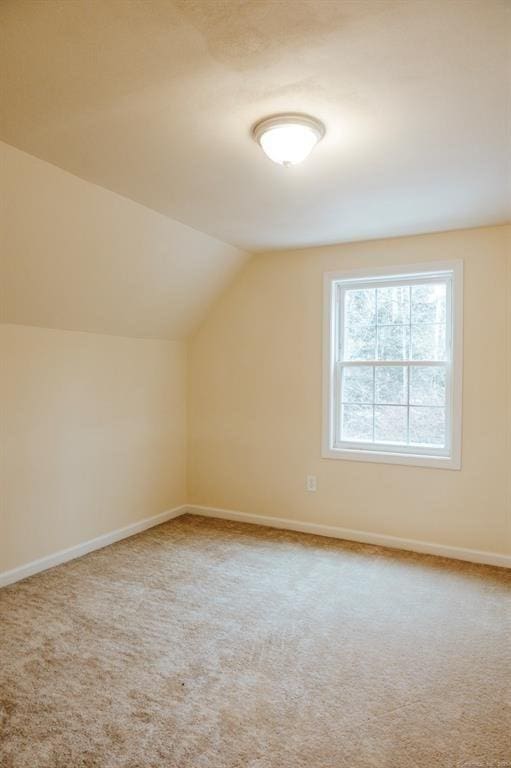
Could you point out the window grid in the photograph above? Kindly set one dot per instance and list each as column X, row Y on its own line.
column 441, row 387
column 405, row 364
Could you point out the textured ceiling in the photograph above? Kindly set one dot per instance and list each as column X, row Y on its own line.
column 154, row 99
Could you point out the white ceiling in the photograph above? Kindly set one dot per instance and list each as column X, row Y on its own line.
column 155, row 99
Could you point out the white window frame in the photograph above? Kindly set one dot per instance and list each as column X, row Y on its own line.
column 334, row 285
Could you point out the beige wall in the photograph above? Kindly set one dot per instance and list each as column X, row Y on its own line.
column 255, row 401
column 508, row 355
column 92, row 427
column 92, row 434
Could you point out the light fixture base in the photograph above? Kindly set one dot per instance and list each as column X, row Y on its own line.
column 288, row 118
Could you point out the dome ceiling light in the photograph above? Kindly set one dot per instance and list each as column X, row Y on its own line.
column 289, row 138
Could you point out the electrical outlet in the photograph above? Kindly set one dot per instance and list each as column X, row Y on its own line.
column 312, row 483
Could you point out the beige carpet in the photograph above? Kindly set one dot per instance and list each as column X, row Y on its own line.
column 207, row 644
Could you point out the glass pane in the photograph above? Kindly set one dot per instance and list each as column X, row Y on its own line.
column 427, row 426
column 427, row 385
column 393, row 342
column 357, row 385
column 390, row 424
column 428, row 303
column 391, row 385
column 357, row 423
column 428, row 342
column 360, row 307
column 393, row 305
column 359, row 342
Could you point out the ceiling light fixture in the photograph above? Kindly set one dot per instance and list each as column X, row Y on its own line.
column 288, row 139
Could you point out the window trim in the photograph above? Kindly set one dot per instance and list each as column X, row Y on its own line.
column 393, row 275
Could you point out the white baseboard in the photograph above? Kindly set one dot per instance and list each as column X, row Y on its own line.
column 23, row 571
column 332, row 531
column 364, row 537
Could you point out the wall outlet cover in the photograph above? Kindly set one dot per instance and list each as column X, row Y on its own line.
column 312, row 483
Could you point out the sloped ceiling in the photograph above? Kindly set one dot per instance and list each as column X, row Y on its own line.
column 154, row 99
column 78, row 257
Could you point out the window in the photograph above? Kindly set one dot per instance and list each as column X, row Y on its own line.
column 393, row 347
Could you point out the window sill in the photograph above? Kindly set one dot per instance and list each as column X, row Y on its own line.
column 384, row 457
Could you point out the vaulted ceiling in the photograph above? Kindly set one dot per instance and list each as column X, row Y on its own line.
column 154, row 99
column 78, row 257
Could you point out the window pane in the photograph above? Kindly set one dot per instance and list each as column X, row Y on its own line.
column 427, row 385
column 357, row 423
column 391, row 385
column 390, row 424
column 392, row 363
column 360, row 342
column 393, row 342
column 393, row 305
column 428, row 303
column 427, row 426
column 357, row 385
column 428, row 342
column 360, row 307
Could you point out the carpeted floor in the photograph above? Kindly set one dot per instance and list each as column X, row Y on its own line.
column 208, row 644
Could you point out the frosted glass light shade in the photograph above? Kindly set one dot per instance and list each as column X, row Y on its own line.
column 288, row 139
